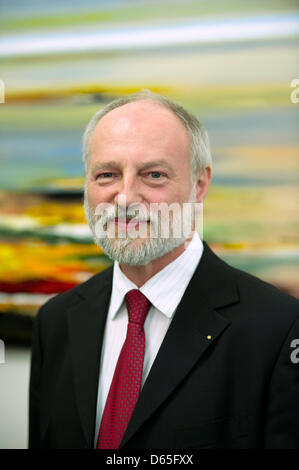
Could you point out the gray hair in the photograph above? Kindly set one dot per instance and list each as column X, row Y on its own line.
column 199, row 140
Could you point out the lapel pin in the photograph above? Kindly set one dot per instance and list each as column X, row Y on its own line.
column 209, row 337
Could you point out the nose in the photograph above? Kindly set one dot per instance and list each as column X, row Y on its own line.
column 129, row 191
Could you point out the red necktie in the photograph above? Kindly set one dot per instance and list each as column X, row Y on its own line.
column 126, row 383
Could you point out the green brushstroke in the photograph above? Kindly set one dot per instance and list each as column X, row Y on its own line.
column 145, row 11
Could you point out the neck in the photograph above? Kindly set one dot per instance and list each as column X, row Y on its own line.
column 140, row 274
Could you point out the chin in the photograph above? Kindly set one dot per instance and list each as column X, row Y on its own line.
column 138, row 252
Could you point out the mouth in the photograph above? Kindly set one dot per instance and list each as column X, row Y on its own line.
column 128, row 224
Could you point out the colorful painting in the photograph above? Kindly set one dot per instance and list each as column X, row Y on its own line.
column 231, row 63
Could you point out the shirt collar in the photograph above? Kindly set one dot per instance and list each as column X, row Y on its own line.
column 166, row 288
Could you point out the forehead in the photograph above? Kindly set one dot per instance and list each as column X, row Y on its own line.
column 141, row 121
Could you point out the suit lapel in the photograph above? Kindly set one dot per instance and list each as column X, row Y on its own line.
column 86, row 322
column 196, row 326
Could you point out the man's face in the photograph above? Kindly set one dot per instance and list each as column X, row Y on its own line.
column 139, row 156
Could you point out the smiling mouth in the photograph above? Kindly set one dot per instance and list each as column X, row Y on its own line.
column 128, row 223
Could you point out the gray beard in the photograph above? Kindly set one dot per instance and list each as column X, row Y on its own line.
column 139, row 251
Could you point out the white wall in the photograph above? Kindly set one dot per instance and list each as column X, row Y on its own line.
column 14, row 383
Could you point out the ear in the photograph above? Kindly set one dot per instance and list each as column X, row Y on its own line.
column 203, row 183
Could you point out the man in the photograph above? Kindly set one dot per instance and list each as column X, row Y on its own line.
column 170, row 347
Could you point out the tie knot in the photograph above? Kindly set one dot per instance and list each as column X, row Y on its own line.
column 138, row 306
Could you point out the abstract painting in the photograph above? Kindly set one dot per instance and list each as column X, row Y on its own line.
column 230, row 63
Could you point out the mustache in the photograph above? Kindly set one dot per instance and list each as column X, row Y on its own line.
column 123, row 213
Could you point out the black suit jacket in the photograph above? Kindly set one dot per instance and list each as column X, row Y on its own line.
column 223, row 377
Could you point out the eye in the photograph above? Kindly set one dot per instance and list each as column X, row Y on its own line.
column 156, row 174
column 105, row 175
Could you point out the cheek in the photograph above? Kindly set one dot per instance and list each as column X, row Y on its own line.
column 174, row 194
column 165, row 193
column 95, row 194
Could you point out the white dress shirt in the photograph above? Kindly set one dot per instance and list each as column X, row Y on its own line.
column 164, row 290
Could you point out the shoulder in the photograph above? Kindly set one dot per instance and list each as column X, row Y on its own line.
column 259, row 290
column 57, row 306
column 260, row 300
column 267, row 308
